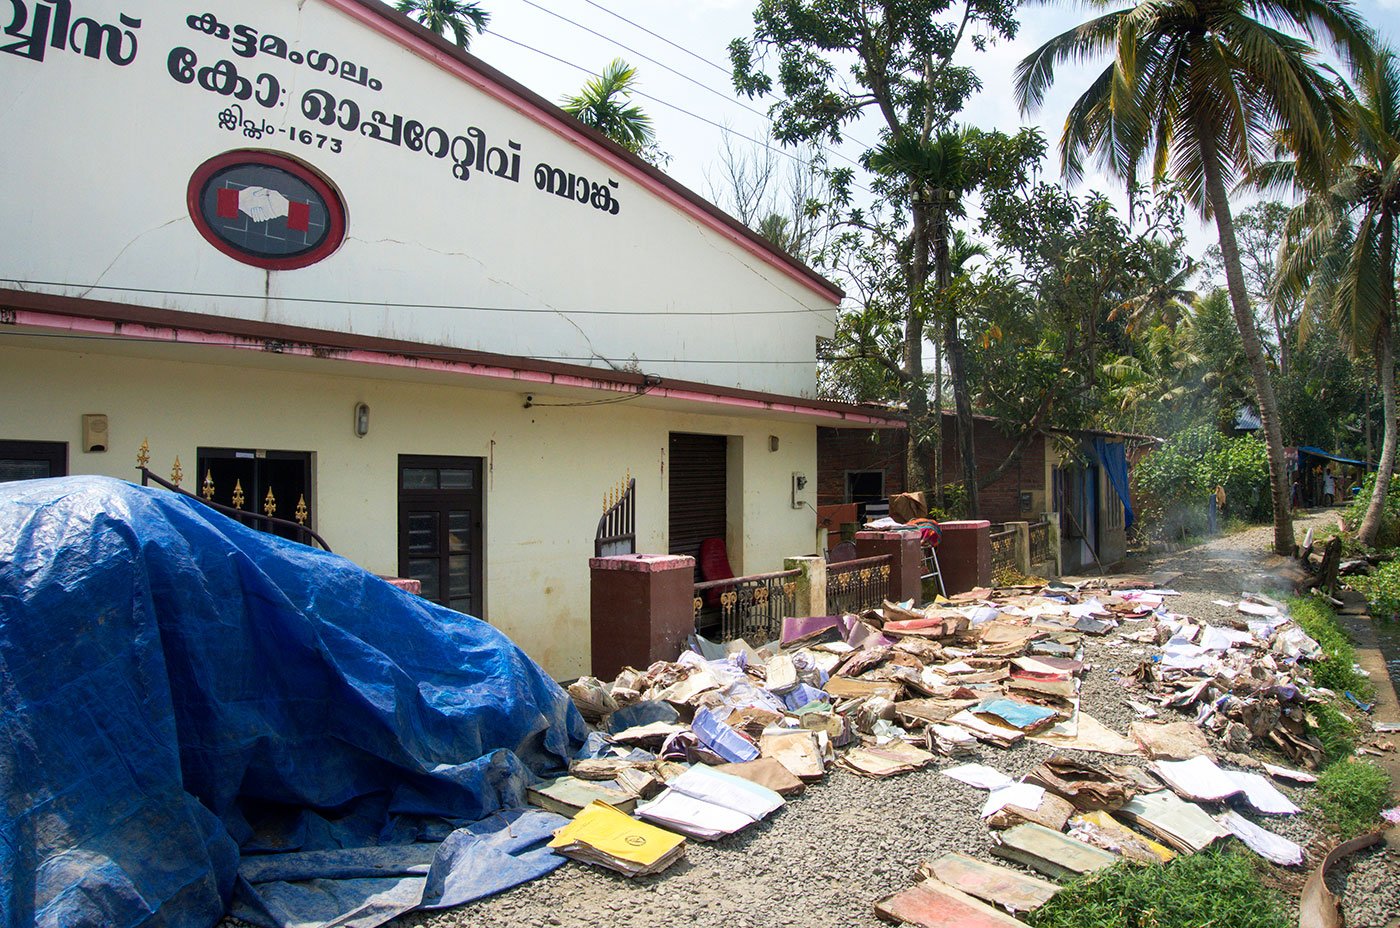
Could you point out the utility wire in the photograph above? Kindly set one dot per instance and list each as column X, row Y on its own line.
column 718, row 67
column 728, row 98
column 537, row 310
column 417, row 351
column 720, row 126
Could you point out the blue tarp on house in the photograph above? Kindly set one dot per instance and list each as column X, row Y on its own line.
column 1115, row 465
column 179, row 693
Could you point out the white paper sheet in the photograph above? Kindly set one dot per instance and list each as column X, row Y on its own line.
column 1262, row 794
column 692, row 816
column 1198, row 778
column 1027, row 796
column 1261, row 841
column 979, row 775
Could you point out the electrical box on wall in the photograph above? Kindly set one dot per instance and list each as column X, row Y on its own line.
column 94, row 432
column 799, row 486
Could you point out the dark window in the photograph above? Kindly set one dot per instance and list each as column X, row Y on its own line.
column 244, row 478
column 440, row 529
column 32, row 460
column 865, row 486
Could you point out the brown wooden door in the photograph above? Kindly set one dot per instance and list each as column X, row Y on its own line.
column 440, row 529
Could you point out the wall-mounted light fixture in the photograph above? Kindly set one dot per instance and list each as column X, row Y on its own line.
column 362, row 419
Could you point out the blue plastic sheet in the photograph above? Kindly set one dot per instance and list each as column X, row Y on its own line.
column 179, row 692
column 1115, row 465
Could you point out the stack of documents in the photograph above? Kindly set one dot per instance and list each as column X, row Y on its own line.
column 604, row 836
column 707, row 804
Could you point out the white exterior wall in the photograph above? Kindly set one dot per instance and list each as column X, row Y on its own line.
column 99, row 155
column 546, row 469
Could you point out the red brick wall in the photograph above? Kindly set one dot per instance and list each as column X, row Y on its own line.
column 842, row 450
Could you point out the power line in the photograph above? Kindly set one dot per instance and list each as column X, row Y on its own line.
column 728, row 98
column 538, row 310
column 680, row 109
column 718, row 67
column 423, row 351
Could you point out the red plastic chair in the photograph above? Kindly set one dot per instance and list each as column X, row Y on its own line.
column 714, row 565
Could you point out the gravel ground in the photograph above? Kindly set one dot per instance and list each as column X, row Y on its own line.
column 847, row 841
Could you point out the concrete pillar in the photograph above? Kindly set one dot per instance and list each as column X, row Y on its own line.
column 811, row 586
column 1055, row 554
column 642, row 610
column 1021, row 544
column 965, row 554
column 906, row 561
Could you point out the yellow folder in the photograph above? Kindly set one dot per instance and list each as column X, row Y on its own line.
column 611, row 832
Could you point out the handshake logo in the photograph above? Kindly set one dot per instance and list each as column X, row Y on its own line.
column 262, row 204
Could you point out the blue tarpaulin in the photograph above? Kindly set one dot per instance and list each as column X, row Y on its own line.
column 197, row 715
column 1115, row 465
column 1329, row 456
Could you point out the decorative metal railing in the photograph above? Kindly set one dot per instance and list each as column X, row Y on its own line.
column 752, row 608
column 854, row 586
column 1040, row 542
column 1004, row 569
column 297, row 531
column 617, row 529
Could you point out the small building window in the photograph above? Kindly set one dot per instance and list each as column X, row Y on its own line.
column 32, row 460
column 865, row 486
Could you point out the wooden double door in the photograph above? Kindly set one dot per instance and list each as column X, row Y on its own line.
column 440, row 529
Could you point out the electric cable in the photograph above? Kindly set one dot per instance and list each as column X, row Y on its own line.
column 535, row 310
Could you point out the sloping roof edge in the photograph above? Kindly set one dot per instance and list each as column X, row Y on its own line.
column 434, row 48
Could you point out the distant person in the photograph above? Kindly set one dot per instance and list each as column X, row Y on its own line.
column 1297, row 499
column 1329, row 488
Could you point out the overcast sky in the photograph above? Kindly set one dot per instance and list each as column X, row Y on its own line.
column 703, row 28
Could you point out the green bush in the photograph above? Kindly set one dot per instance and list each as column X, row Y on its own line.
column 1389, row 535
column 954, row 503
column 1214, row 888
column 1172, row 483
column 1351, row 795
column 1381, row 589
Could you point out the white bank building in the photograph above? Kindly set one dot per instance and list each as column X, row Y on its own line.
column 345, row 272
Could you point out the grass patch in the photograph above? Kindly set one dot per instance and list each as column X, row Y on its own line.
column 1335, row 729
column 1351, row 795
column 1216, row 888
column 1336, row 670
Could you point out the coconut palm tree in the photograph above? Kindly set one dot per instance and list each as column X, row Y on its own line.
column 460, row 17
column 1165, row 298
column 1340, row 249
column 604, row 103
column 1199, row 90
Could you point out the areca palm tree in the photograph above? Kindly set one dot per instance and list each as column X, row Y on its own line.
column 604, row 103
column 1198, row 90
column 1340, row 250
column 938, row 172
column 460, row 17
